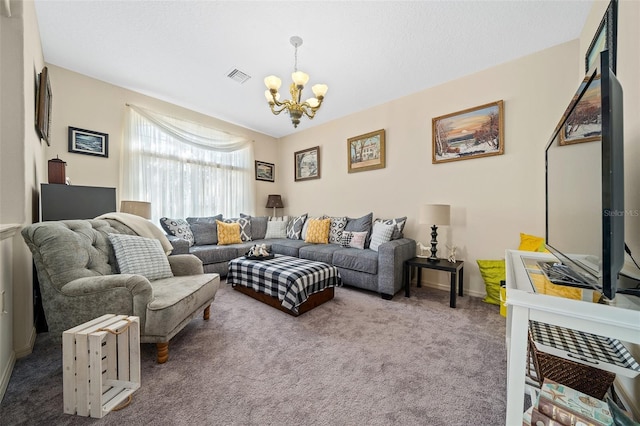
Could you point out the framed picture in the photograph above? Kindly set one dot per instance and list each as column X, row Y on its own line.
column 265, row 171
column 88, row 142
column 43, row 106
column 584, row 123
column 307, row 164
column 366, row 152
column 604, row 39
column 472, row 133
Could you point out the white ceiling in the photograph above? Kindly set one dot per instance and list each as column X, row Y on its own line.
column 368, row 53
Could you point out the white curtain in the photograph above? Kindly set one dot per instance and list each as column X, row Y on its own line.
column 184, row 168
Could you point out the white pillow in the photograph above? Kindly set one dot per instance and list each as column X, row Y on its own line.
column 381, row 234
column 140, row 256
column 276, row 229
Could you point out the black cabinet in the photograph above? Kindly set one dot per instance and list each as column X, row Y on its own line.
column 59, row 202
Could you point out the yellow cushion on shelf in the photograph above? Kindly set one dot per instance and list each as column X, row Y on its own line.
column 318, row 231
column 228, row 233
column 531, row 243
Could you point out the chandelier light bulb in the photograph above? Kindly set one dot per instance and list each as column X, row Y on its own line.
column 313, row 102
column 272, row 82
column 320, row 90
column 300, row 78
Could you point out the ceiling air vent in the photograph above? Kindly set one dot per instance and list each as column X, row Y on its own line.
column 238, row 76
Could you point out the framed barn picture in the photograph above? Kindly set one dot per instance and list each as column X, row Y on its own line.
column 366, row 152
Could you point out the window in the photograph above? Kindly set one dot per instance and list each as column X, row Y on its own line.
column 185, row 169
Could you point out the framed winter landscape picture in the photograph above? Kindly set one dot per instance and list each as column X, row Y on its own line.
column 366, row 152
column 265, row 171
column 584, row 124
column 307, row 164
column 88, row 142
column 472, row 133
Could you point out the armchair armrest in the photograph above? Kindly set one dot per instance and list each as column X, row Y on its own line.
column 185, row 264
column 180, row 246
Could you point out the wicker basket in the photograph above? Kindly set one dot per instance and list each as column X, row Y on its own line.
column 586, row 379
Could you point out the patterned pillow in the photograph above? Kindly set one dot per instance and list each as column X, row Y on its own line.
column 399, row 224
column 305, row 227
column 337, row 226
column 204, row 229
column 228, row 233
column 179, row 228
column 381, row 234
column 140, row 256
column 294, row 227
column 276, row 229
column 245, row 227
column 258, row 225
column 318, row 231
column 353, row 239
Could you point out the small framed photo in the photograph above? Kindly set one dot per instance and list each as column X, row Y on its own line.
column 307, row 164
column 265, row 171
column 472, row 133
column 366, row 152
column 88, row 142
column 604, row 39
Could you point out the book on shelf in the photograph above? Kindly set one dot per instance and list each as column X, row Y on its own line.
column 567, row 406
column 539, row 419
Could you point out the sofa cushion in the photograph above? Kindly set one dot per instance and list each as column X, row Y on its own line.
column 245, row 227
column 305, row 227
column 294, row 227
column 353, row 239
column 258, row 225
column 318, row 252
column 140, row 256
column 287, row 246
column 337, row 226
column 361, row 224
column 399, row 224
column 356, row 260
column 204, row 229
column 318, row 231
column 177, row 227
column 215, row 253
column 381, row 233
column 228, row 233
column 276, row 229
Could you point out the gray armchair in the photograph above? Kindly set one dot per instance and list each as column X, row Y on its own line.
column 79, row 281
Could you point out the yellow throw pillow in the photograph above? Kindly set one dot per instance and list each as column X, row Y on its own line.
column 492, row 271
column 228, row 233
column 318, row 231
column 531, row 243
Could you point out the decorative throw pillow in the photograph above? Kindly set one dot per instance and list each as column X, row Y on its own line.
column 276, row 229
column 531, row 243
column 398, row 223
column 204, row 229
column 381, row 234
column 305, row 227
column 140, row 256
column 228, row 233
column 245, row 227
column 337, row 226
column 294, row 227
column 361, row 224
column 258, row 225
column 492, row 271
column 353, row 239
column 345, row 238
column 177, row 227
column 318, row 231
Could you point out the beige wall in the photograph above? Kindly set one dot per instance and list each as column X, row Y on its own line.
column 87, row 103
column 492, row 199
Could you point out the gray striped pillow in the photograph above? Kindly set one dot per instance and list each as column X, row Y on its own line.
column 140, row 256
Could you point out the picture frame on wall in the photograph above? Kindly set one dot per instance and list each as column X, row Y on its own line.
column 88, row 142
column 43, row 106
column 366, row 152
column 604, row 39
column 265, row 171
column 307, row 164
column 471, row 133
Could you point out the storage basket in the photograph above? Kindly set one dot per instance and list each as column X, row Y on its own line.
column 586, row 379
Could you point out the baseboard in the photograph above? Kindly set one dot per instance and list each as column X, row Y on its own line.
column 467, row 292
column 22, row 352
column 6, row 375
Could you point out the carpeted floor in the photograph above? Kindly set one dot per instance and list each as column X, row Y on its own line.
column 356, row 360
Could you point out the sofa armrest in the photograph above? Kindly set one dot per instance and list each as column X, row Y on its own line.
column 391, row 258
column 180, row 246
column 185, row 264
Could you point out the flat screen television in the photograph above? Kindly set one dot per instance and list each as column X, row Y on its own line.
column 585, row 186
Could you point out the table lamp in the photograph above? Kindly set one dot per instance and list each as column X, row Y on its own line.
column 139, row 208
column 274, row 201
column 434, row 214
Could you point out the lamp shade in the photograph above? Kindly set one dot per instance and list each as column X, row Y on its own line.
column 274, row 201
column 139, row 208
column 435, row 214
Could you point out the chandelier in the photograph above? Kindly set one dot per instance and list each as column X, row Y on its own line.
column 294, row 108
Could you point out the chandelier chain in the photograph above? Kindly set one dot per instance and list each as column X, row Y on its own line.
column 295, row 55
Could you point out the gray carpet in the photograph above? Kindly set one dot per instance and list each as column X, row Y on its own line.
column 355, row 360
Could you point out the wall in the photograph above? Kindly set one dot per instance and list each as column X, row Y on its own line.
column 87, row 103
column 492, row 199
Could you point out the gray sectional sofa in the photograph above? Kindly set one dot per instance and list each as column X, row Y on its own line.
column 375, row 267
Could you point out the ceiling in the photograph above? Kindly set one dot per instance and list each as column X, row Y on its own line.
column 368, row 53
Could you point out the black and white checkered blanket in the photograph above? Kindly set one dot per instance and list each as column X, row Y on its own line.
column 290, row 279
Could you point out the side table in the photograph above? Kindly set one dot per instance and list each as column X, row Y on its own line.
column 456, row 269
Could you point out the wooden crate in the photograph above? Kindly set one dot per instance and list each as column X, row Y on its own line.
column 101, row 364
